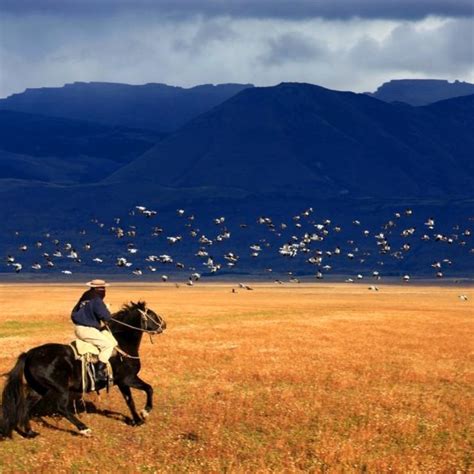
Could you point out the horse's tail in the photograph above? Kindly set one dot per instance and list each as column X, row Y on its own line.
column 13, row 398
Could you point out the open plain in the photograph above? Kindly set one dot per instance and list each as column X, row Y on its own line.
column 283, row 378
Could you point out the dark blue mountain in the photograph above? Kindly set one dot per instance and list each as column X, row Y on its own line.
column 53, row 149
column 275, row 151
column 421, row 91
column 157, row 107
column 301, row 139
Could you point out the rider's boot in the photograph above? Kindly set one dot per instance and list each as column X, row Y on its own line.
column 101, row 372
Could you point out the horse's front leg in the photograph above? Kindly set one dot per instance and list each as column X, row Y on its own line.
column 139, row 384
column 127, row 394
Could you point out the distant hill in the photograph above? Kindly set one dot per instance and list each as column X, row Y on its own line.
column 421, row 91
column 266, row 151
column 157, row 107
column 304, row 139
column 54, row 149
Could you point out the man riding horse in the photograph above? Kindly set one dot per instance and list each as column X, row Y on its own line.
column 53, row 371
column 89, row 316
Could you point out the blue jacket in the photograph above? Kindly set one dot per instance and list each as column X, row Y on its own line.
column 90, row 312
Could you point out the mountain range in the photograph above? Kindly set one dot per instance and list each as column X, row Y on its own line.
column 156, row 107
column 421, row 91
column 304, row 139
column 261, row 151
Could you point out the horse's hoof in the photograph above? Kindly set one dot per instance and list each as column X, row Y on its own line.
column 31, row 434
column 86, row 432
column 137, row 422
column 144, row 414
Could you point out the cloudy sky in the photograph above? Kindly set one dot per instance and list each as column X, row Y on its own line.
column 341, row 44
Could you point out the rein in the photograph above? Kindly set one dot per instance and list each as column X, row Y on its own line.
column 125, row 354
column 145, row 316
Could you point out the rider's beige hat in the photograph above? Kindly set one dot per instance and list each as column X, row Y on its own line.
column 97, row 283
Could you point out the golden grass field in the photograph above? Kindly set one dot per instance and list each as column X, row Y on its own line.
column 290, row 378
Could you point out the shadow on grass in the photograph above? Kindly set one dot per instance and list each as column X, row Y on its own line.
column 46, row 409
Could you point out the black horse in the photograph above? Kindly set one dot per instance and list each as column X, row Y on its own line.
column 52, row 371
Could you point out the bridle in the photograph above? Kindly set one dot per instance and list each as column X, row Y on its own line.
column 147, row 317
column 144, row 318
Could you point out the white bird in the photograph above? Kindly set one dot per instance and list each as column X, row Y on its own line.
column 463, row 297
column 165, row 259
column 231, row 257
column 430, row 223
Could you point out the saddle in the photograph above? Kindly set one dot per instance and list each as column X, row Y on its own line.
column 88, row 354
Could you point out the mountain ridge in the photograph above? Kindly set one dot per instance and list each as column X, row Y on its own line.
column 153, row 106
column 293, row 123
column 421, row 91
column 272, row 152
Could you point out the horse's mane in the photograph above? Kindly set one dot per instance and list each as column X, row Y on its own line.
column 127, row 308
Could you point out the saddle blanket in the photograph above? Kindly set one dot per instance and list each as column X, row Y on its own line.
column 82, row 348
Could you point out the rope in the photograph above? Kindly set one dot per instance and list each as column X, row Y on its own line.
column 132, row 327
column 144, row 315
column 125, row 354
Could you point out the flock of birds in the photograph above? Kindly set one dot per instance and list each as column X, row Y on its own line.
column 319, row 243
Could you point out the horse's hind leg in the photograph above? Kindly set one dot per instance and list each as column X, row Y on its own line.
column 62, row 403
column 31, row 400
column 127, row 394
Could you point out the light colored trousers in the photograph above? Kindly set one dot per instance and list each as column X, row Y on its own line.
column 103, row 340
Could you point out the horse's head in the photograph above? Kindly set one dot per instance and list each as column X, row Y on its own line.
column 150, row 321
column 142, row 318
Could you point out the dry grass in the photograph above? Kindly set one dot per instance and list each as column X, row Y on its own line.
column 293, row 378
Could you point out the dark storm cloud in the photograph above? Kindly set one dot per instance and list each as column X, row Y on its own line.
column 49, row 43
column 283, row 9
column 448, row 47
column 293, row 47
